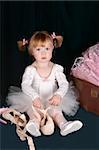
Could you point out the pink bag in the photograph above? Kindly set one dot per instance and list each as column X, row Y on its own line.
column 87, row 66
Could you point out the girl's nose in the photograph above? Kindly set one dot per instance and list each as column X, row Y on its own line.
column 43, row 52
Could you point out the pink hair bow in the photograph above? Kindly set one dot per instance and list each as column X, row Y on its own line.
column 24, row 42
column 53, row 35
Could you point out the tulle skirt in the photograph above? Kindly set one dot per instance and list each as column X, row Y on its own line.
column 19, row 101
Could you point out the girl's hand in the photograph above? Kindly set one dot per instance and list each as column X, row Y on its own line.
column 55, row 100
column 37, row 103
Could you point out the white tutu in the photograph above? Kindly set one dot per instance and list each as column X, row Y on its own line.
column 70, row 104
column 19, row 101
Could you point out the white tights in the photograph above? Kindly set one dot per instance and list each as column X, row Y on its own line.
column 32, row 116
column 58, row 117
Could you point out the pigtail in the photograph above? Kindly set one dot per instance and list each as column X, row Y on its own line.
column 57, row 40
column 23, row 44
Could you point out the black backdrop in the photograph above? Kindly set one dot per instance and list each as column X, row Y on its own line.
column 77, row 21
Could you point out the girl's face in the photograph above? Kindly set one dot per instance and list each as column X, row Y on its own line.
column 43, row 53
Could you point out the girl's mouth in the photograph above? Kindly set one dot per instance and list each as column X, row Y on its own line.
column 43, row 57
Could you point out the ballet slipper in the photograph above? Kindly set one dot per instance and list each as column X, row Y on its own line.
column 47, row 124
column 36, row 113
column 70, row 126
column 23, row 136
column 48, row 127
column 2, row 110
column 15, row 117
column 20, row 121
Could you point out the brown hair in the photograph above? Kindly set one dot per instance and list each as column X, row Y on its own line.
column 39, row 38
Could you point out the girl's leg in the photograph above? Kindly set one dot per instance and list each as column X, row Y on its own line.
column 33, row 116
column 58, row 117
column 65, row 126
column 34, row 123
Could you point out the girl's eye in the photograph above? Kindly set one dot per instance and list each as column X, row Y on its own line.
column 38, row 49
column 47, row 48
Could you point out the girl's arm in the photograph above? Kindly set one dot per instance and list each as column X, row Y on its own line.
column 26, row 84
column 62, row 82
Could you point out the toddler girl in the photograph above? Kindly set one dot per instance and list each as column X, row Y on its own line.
column 45, row 85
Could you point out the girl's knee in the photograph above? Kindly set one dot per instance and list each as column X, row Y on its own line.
column 55, row 113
